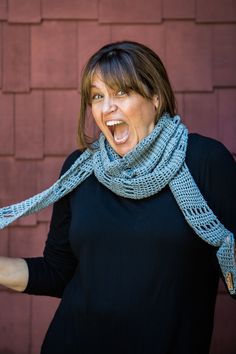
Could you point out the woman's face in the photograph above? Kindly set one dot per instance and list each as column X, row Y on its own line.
column 124, row 118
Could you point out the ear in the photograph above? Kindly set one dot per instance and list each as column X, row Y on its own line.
column 155, row 101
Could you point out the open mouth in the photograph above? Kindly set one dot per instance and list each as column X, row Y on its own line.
column 119, row 130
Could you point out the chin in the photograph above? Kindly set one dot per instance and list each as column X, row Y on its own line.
column 123, row 149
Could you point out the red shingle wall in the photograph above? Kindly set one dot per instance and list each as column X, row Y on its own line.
column 43, row 47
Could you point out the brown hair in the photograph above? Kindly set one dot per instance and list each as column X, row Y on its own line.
column 128, row 66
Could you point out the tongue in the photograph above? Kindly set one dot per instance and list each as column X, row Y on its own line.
column 121, row 133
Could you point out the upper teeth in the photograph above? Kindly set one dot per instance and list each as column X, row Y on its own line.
column 113, row 122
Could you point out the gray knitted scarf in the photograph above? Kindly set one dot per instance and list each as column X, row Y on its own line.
column 158, row 160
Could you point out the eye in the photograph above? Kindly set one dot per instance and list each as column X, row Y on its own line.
column 121, row 93
column 96, row 96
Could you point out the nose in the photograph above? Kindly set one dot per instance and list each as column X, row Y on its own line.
column 109, row 105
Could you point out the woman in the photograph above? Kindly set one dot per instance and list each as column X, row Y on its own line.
column 134, row 250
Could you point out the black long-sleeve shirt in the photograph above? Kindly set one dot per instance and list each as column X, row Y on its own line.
column 133, row 276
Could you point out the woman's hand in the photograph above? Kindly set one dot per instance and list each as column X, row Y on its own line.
column 14, row 273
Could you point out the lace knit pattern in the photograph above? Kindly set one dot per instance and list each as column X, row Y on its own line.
column 158, row 160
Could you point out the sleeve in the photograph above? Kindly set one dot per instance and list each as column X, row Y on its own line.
column 48, row 275
column 217, row 179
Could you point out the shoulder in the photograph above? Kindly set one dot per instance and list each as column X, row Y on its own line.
column 70, row 159
column 209, row 161
column 207, row 150
column 204, row 144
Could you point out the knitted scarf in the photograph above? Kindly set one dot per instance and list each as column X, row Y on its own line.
column 157, row 161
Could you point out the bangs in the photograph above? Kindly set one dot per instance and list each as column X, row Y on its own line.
column 118, row 72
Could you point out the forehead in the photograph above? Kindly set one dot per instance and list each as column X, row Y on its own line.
column 99, row 82
column 116, row 78
column 96, row 79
